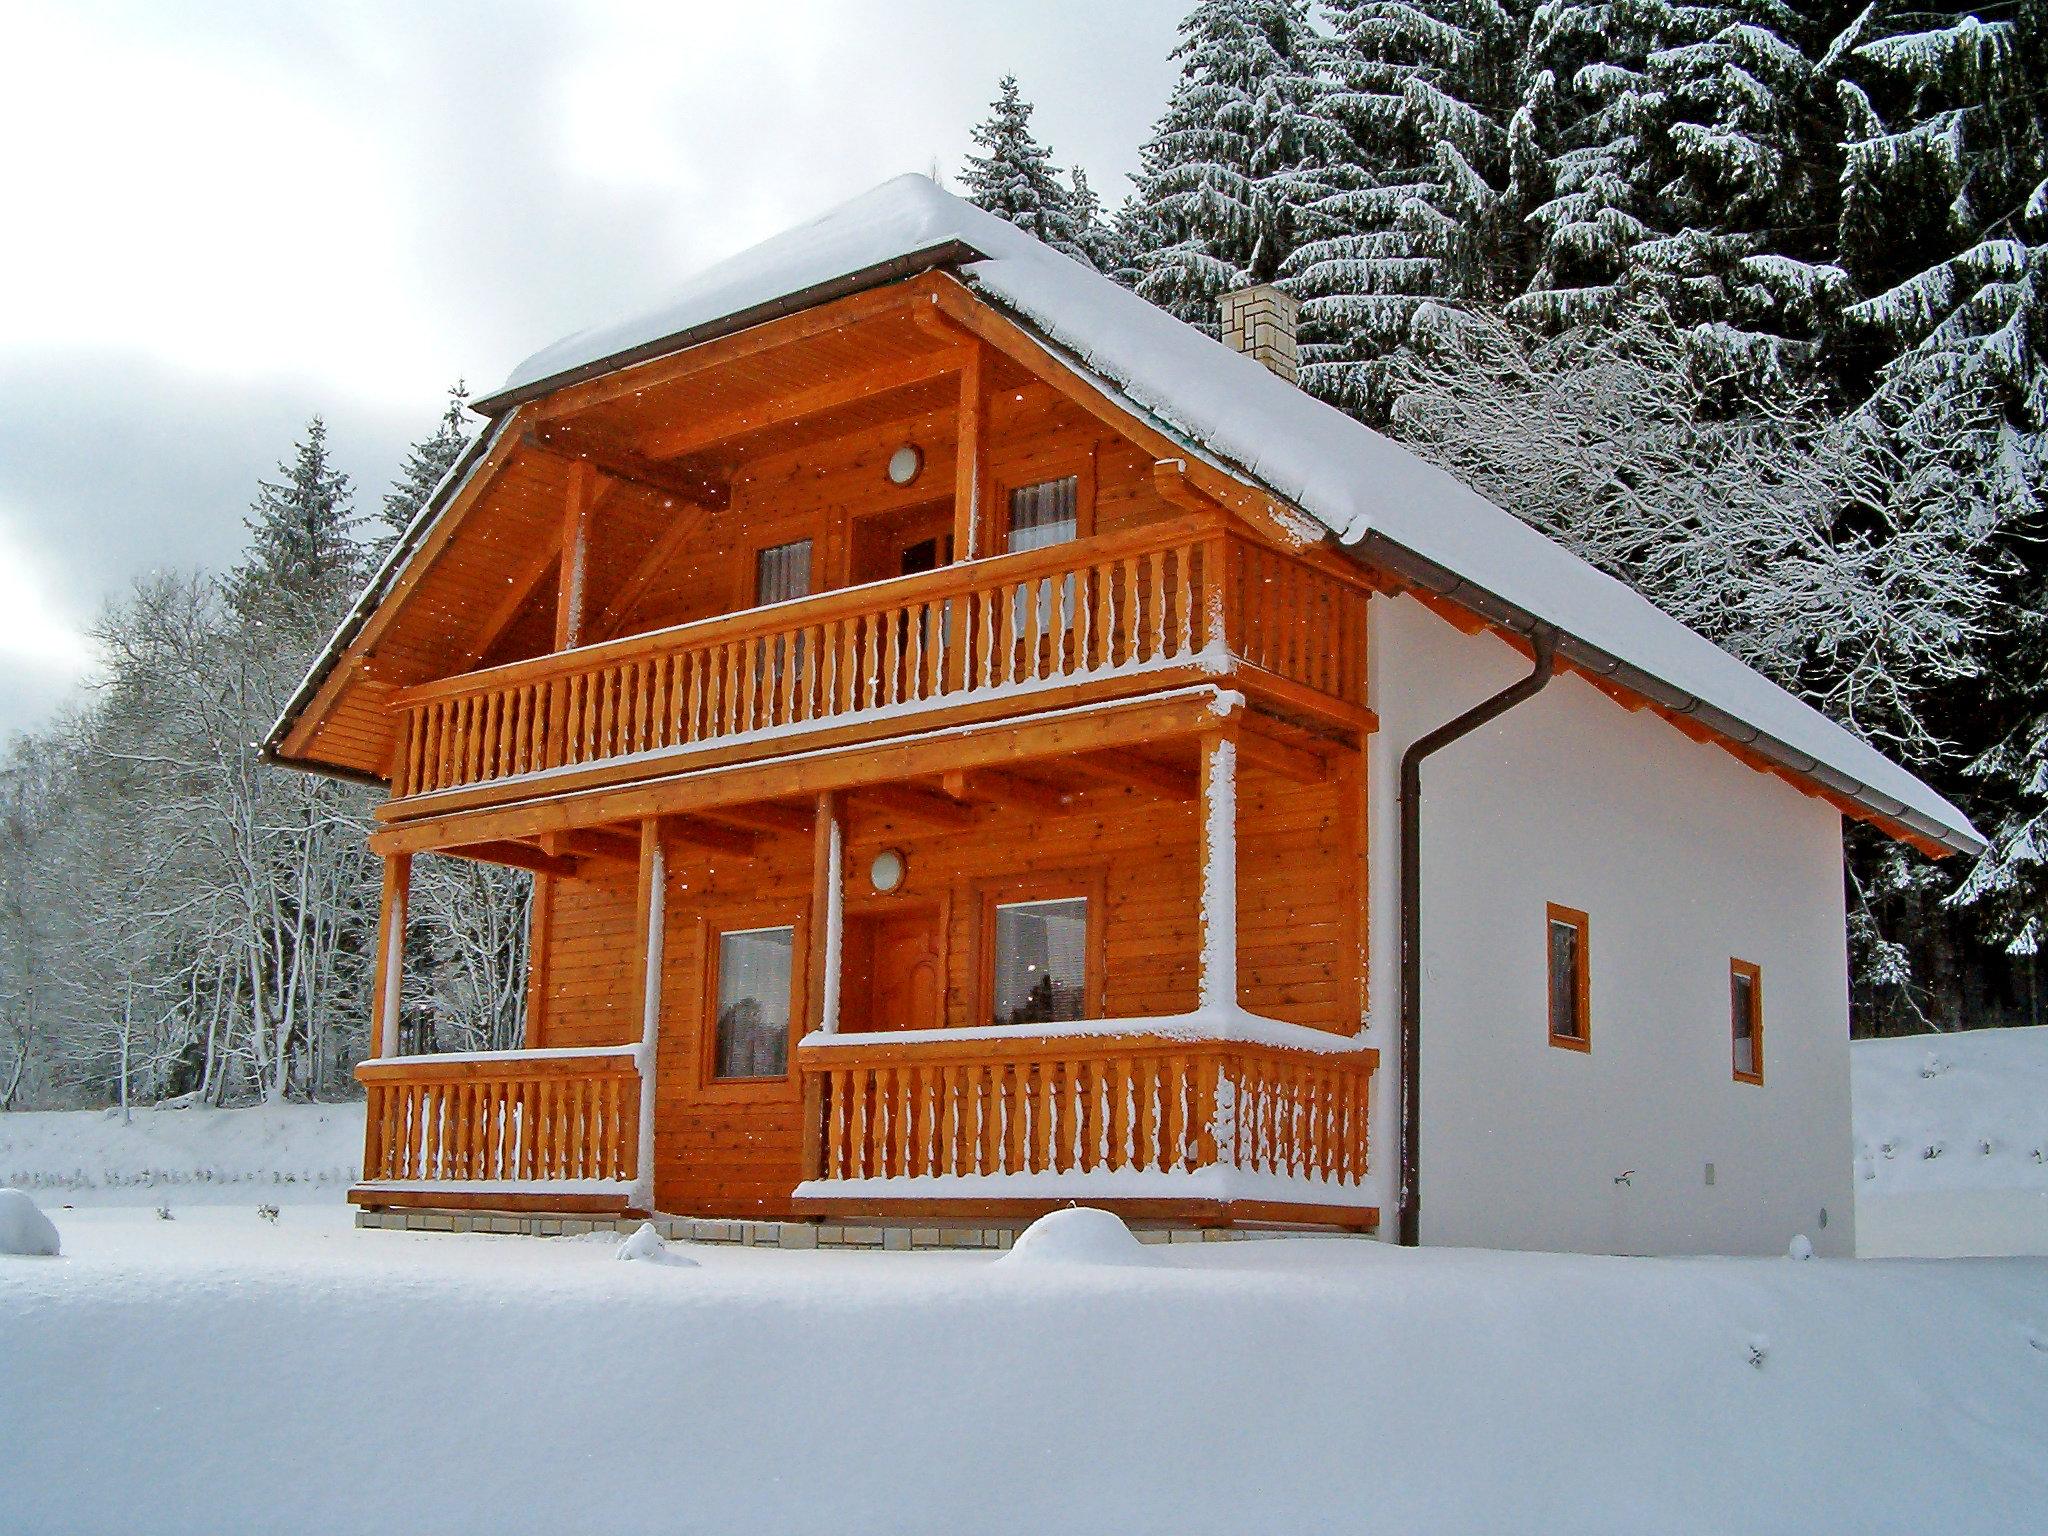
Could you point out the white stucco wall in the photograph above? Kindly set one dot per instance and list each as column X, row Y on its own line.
column 1682, row 857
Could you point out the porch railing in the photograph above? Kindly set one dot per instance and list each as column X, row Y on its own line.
column 1081, row 1104
column 516, row 1117
column 1064, row 614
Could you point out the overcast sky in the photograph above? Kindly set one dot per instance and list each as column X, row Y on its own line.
column 224, row 218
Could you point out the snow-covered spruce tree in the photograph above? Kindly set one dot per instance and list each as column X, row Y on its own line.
column 1426, row 223
column 1101, row 242
column 1013, row 177
column 427, row 463
column 1945, row 225
column 1241, row 157
column 303, row 556
column 1613, row 440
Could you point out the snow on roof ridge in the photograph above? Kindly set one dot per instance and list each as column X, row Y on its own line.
column 1352, row 479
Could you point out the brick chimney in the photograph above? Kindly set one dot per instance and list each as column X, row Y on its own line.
column 1259, row 322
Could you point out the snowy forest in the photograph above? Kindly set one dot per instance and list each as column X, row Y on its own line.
column 1747, row 303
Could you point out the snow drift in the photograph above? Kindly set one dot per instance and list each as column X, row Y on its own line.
column 24, row 1230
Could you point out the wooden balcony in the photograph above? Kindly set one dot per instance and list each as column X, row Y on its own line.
column 1005, row 1124
column 1099, row 618
column 552, row 1130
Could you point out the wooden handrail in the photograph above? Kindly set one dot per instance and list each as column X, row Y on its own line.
column 841, row 602
column 1082, row 1103
column 509, row 1118
column 1147, row 598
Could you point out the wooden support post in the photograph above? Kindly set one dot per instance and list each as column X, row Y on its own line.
column 390, row 954
column 972, row 537
column 827, row 920
column 540, row 930
column 1217, row 984
column 653, row 913
column 570, row 595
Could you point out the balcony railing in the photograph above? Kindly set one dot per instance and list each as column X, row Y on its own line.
column 563, row 1120
column 1105, row 607
column 988, row 1109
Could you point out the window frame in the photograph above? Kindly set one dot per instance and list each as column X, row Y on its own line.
column 1024, row 475
column 771, row 531
column 712, row 928
column 1746, row 970
column 1555, row 914
column 1090, row 885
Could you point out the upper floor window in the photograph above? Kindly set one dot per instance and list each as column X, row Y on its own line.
column 1041, row 960
column 782, row 571
column 1746, row 1019
column 756, row 970
column 1570, row 988
column 1046, row 513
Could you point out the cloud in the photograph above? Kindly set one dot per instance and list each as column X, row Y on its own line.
column 227, row 217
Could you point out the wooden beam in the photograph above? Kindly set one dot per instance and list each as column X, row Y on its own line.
column 768, row 336
column 700, row 833
column 821, row 970
column 1005, row 789
column 687, row 525
column 703, row 432
column 540, row 950
column 971, row 512
column 574, row 557
column 920, row 804
column 1216, row 981
column 1301, row 764
column 387, row 987
column 600, row 450
column 1122, row 767
column 601, row 843
column 1012, row 742
column 516, row 856
column 765, row 818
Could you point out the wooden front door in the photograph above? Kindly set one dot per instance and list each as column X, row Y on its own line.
column 893, row 970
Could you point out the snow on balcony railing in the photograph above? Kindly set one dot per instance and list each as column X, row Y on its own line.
column 1103, row 607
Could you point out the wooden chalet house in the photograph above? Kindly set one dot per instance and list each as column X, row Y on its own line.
column 955, row 717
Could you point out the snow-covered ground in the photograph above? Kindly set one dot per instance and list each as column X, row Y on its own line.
column 217, row 1372
column 1952, row 1144
column 273, row 1154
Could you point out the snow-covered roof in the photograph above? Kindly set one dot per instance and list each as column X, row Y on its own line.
column 1365, row 488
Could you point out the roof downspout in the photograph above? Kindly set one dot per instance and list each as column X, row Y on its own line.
column 1543, row 640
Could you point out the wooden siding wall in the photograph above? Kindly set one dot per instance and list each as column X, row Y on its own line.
column 730, row 1146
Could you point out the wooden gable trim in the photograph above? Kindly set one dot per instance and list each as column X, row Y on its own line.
column 356, row 662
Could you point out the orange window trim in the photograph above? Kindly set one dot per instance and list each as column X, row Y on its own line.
column 710, row 929
column 1737, row 970
column 1582, row 1004
column 1089, row 884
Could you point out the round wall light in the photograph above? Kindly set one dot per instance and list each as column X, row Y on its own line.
column 905, row 464
column 886, row 873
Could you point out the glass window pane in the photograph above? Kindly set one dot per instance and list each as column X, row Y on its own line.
column 783, row 571
column 1742, row 989
column 1564, row 980
column 1044, row 514
column 1041, row 961
column 754, row 970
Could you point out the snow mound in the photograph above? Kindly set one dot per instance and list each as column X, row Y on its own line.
column 649, row 1247
column 1972, row 1115
column 1801, row 1247
column 24, row 1229
column 1080, row 1235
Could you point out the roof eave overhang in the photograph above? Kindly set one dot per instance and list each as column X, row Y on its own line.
column 947, row 253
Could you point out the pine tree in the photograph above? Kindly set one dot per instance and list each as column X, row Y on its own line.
column 427, row 463
column 1944, row 224
column 1424, row 219
column 1242, row 155
column 1014, row 178
column 1101, row 243
column 303, row 555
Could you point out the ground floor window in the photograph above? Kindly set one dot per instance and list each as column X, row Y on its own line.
column 1570, row 991
column 1746, row 1019
column 756, row 968
column 1041, row 960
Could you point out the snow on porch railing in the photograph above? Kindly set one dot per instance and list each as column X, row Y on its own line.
column 1065, row 1104
column 1068, row 613
column 514, row 1117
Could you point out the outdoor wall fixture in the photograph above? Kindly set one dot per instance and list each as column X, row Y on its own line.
column 905, row 464
column 886, row 873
